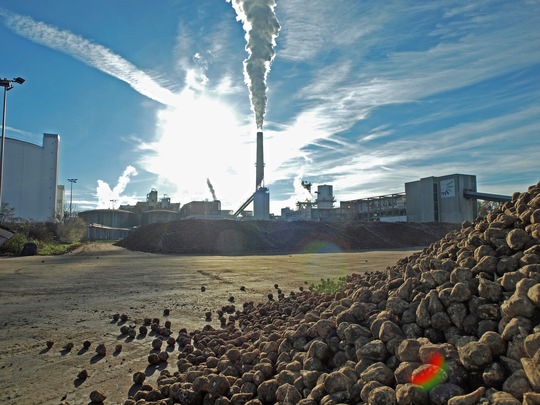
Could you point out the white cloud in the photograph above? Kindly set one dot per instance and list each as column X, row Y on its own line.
column 341, row 62
column 475, row 148
column 315, row 28
column 348, row 88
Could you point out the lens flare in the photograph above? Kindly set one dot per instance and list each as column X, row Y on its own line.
column 321, row 247
column 433, row 375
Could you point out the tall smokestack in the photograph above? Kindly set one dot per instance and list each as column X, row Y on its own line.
column 260, row 161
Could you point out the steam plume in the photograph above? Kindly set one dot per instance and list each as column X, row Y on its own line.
column 104, row 192
column 301, row 193
column 211, row 188
column 262, row 28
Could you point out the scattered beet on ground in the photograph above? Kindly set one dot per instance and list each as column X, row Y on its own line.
column 267, row 237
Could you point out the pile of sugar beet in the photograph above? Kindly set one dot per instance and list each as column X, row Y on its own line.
column 473, row 298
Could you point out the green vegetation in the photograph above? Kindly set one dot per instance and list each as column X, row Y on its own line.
column 329, row 286
column 52, row 237
column 48, row 249
column 15, row 246
column 71, row 230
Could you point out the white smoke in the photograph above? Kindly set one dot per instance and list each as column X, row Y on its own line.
column 261, row 27
column 300, row 192
column 108, row 197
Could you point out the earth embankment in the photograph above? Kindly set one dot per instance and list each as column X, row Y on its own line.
column 196, row 236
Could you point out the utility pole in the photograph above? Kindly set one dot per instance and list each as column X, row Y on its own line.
column 7, row 85
column 71, row 194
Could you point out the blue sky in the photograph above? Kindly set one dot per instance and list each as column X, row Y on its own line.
column 363, row 95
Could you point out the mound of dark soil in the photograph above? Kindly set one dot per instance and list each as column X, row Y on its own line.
column 241, row 237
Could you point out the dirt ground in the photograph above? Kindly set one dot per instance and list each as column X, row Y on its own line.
column 72, row 298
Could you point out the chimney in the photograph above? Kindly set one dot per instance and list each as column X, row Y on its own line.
column 260, row 162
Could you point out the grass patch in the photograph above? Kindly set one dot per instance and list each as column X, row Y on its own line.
column 105, row 241
column 328, row 286
column 48, row 249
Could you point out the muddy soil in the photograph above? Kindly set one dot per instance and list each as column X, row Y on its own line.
column 71, row 298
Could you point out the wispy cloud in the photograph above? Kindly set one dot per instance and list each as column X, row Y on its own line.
column 25, row 136
column 88, row 52
column 492, row 46
column 468, row 46
column 473, row 148
column 362, row 95
column 323, row 27
column 185, row 117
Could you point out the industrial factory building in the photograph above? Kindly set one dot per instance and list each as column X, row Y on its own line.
column 451, row 198
column 118, row 223
column 107, row 224
column 384, row 208
column 152, row 210
column 441, row 199
column 431, row 199
column 321, row 209
column 201, row 209
column 30, row 178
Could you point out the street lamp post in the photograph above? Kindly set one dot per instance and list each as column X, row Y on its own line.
column 7, row 85
column 71, row 194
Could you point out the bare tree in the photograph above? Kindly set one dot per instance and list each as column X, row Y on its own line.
column 66, row 212
column 487, row 207
column 7, row 214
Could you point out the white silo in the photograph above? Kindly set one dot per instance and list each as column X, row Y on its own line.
column 152, row 198
column 325, row 197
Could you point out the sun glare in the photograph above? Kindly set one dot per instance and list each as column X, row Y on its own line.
column 200, row 138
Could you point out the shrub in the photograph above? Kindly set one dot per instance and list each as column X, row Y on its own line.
column 328, row 286
column 42, row 231
column 14, row 246
column 71, row 230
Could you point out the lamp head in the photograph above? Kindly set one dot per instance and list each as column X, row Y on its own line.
column 19, row 80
